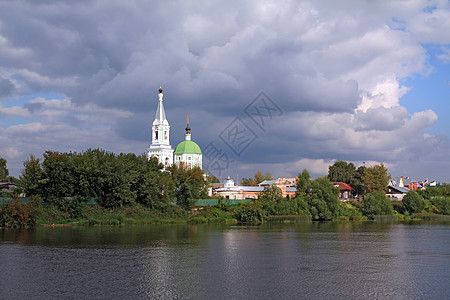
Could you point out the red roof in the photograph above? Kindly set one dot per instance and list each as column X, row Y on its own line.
column 343, row 186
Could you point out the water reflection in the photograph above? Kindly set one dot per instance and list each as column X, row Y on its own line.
column 304, row 260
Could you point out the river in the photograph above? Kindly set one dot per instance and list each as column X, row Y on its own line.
column 309, row 260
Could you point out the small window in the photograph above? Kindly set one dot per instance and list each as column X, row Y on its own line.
column 189, row 158
column 165, row 135
column 156, row 134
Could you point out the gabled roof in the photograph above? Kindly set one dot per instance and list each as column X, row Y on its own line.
column 343, row 186
column 238, row 188
column 402, row 190
column 267, row 182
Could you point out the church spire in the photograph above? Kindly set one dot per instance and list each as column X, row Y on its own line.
column 160, row 117
column 160, row 146
column 188, row 130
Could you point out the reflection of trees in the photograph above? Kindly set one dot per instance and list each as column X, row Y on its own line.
column 133, row 235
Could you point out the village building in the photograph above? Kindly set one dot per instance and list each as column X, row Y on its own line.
column 7, row 185
column 232, row 191
column 396, row 192
column 345, row 191
column 288, row 186
column 409, row 183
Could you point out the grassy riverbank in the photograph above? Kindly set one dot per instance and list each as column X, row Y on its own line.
column 16, row 214
column 270, row 207
column 136, row 214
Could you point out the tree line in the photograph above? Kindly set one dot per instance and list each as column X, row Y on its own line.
column 113, row 180
column 124, row 183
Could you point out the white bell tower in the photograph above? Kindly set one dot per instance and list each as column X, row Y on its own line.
column 160, row 146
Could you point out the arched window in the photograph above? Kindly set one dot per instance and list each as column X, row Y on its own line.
column 156, row 134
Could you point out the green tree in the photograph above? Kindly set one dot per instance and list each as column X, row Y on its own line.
column 156, row 188
column 441, row 205
column 119, row 177
column 358, row 182
column 271, row 194
column 248, row 181
column 58, row 180
column 376, row 203
column 212, row 179
column 251, row 212
column 190, row 185
column 413, row 202
column 268, row 176
column 342, row 171
column 4, row 172
column 258, row 178
column 32, row 174
column 303, row 182
column 323, row 199
column 88, row 173
column 271, row 198
column 375, row 178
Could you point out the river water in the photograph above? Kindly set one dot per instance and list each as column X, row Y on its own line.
column 353, row 260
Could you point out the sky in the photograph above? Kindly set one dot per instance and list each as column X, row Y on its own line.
column 277, row 86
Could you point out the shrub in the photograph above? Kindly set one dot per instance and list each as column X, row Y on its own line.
column 16, row 214
column 252, row 212
column 348, row 211
column 413, row 202
column 376, row 203
column 442, row 205
column 70, row 207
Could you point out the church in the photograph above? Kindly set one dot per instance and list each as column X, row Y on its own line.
column 187, row 153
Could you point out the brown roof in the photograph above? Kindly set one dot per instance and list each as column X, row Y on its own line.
column 343, row 186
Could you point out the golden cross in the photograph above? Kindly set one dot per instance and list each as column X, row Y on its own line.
column 187, row 118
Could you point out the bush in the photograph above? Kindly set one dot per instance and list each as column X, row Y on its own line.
column 347, row 211
column 323, row 199
column 16, row 214
column 70, row 207
column 252, row 212
column 413, row 202
column 376, row 203
column 398, row 207
column 442, row 205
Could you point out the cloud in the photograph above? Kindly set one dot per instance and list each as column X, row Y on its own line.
column 337, row 70
column 6, row 87
column 445, row 55
column 381, row 118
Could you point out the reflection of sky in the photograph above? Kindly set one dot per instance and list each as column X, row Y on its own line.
column 307, row 260
column 158, row 279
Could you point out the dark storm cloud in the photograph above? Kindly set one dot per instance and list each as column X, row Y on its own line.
column 33, row 107
column 318, row 61
column 6, row 87
column 114, row 54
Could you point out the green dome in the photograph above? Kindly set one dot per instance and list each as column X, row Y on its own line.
column 188, row 147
